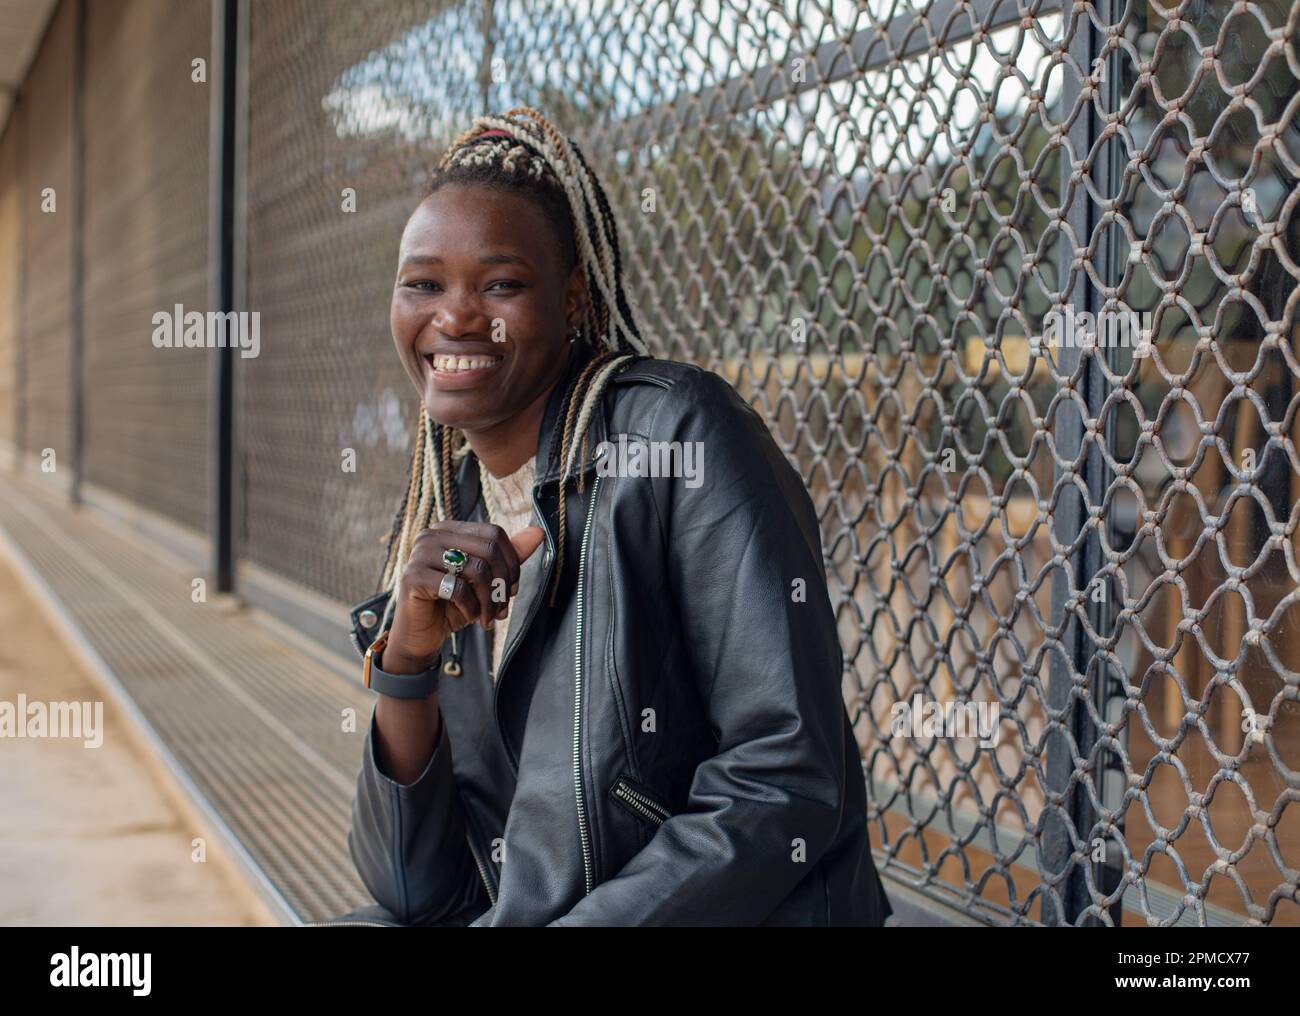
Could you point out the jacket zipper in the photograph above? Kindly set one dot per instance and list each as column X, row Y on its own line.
column 583, row 832
column 650, row 809
column 517, row 634
column 482, row 873
column 473, row 850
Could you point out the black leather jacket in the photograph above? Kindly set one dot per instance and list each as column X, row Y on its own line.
column 668, row 745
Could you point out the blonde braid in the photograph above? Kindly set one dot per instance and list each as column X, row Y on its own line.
column 607, row 258
column 589, row 404
column 432, row 479
column 578, row 186
column 485, row 486
column 396, row 552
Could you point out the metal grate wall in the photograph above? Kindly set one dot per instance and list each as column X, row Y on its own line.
column 146, row 250
column 1101, row 549
column 868, row 216
column 46, row 123
column 324, row 124
column 10, row 280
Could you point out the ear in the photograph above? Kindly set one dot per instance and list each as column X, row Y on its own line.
column 575, row 297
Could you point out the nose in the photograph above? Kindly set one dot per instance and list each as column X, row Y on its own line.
column 459, row 315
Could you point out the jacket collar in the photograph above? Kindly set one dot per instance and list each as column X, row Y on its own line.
column 580, row 354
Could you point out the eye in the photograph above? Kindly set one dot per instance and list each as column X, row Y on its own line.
column 421, row 284
column 509, row 283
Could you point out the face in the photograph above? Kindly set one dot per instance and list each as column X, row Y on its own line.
column 481, row 310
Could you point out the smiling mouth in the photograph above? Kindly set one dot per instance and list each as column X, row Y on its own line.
column 448, row 364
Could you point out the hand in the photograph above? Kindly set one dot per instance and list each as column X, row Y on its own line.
column 421, row 620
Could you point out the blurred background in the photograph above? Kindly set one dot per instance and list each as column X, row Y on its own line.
column 860, row 214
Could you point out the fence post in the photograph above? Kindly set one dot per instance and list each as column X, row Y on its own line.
column 1088, row 559
column 17, row 118
column 221, row 119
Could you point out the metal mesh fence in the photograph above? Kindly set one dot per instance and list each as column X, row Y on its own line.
column 10, row 262
column 334, row 169
column 1090, row 550
column 1196, row 658
column 146, row 251
column 1014, row 285
column 46, row 122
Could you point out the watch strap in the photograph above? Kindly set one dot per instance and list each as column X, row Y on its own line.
column 408, row 686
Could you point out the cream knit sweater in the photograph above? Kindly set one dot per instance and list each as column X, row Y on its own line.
column 510, row 506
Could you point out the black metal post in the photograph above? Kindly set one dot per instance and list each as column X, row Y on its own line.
column 1076, row 815
column 17, row 117
column 221, row 218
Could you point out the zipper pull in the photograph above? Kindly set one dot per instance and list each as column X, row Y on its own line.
column 452, row 667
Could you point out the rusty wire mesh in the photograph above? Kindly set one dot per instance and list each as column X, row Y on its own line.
column 909, row 189
column 1066, row 533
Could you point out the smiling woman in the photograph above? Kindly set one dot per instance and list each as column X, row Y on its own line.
column 491, row 267
column 634, row 746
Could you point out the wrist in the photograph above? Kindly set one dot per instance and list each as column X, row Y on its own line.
column 414, row 683
column 392, row 660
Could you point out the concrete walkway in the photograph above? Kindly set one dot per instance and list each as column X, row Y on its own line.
column 87, row 834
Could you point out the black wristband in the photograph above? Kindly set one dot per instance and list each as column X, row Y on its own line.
column 405, row 686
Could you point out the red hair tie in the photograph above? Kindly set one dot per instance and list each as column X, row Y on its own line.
column 496, row 132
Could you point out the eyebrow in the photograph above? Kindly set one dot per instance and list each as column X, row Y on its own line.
column 486, row 259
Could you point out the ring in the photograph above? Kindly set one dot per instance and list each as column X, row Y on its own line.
column 447, row 587
column 454, row 560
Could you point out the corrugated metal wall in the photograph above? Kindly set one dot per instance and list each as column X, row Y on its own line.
column 146, row 409
column 46, row 122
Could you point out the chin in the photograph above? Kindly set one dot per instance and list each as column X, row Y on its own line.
column 463, row 411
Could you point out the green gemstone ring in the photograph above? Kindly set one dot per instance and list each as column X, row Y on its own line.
column 454, row 560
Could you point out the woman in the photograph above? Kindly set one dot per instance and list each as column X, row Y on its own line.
column 609, row 679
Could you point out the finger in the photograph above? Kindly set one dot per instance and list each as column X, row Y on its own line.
column 463, row 599
column 478, row 573
column 459, row 617
column 485, row 574
column 489, row 534
column 494, row 548
column 527, row 540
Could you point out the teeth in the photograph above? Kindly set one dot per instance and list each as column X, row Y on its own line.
column 446, row 362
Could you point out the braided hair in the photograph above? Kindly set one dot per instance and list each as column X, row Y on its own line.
column 522, row 152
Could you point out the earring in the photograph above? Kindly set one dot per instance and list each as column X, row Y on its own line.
column 574, row 332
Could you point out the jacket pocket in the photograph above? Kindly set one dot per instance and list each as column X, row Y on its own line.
column 639, row 801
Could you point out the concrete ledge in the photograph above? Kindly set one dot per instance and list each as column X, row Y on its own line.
column 261, row 895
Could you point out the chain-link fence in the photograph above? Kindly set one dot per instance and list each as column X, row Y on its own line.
column 1014, row 285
